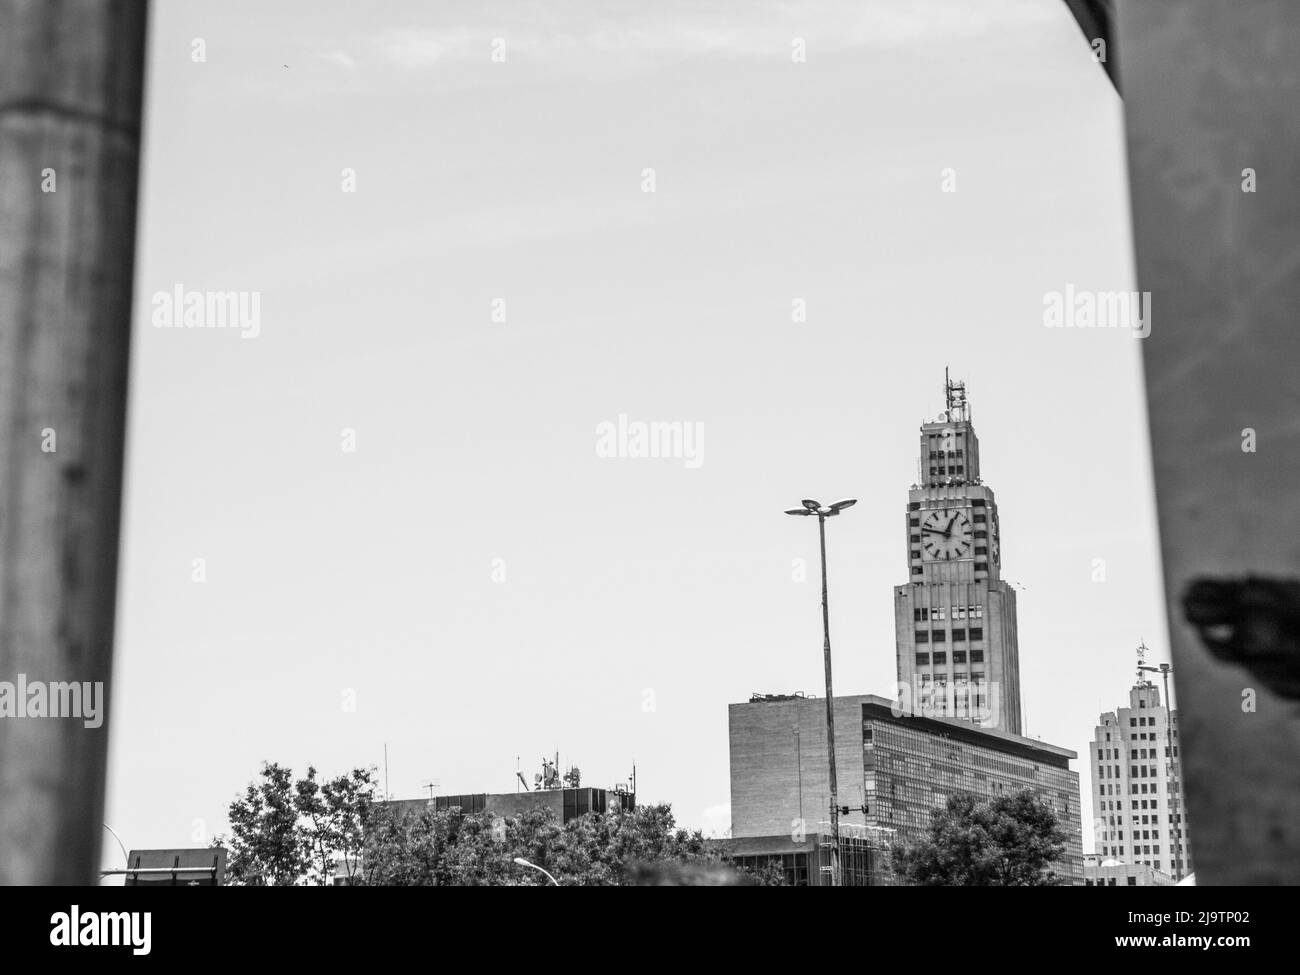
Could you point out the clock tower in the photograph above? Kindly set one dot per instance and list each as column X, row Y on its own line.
column 955, row 619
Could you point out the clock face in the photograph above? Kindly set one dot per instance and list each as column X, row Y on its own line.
column 946, row 534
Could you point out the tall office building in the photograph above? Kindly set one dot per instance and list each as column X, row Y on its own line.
column 955, row 619
column 893, row 771
column 1136, row 769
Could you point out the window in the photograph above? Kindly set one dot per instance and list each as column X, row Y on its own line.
column 914, row 539
column 923, row 659
column 981, row 550
column 981, row 533
column 940, row 636
column 981, row 566
column 1132, row 722
column 922, row 636
column 940, row 658
column 958, row 635
column 913, row 522
column 981, row 519
column 938, row 613
column 914, row 506
column 917, row 570
column 958, row 656
column 977, row 633
column 1132, row 881
column 977, row 656
column 977, row 502
column 920, row 614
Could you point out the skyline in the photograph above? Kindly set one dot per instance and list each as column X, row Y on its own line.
column 477, row 441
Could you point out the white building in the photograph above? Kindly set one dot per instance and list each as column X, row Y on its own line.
column 1136, row 804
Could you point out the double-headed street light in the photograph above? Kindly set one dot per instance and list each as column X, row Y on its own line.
column 823, row 512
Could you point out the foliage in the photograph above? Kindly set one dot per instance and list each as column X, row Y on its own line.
column 1008, row 841
column 285, row 833
column 426, row 847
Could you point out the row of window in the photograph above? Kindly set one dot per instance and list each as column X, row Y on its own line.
column 941, row 636
column 942, row 680
column 1115, row 790
column 1119, row 804
column 1133, row 753
column 940, row 657
column 974, row 502
column 922, row 613
column 919, row 570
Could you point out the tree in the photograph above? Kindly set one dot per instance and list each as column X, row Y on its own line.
column 266, row 848
column 1007, row 841
column 284, row 833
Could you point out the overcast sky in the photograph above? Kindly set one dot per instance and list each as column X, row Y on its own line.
column 640, row 596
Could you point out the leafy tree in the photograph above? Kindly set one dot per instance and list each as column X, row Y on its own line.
column 1008, row 841
column 285, row 833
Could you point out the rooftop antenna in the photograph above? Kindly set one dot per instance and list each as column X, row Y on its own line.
column 387, row 794
column 1142, row 652
column 955, row 396
column 430, row 786
column 520, row 776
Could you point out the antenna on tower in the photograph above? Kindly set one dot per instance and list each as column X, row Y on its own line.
column 1142, row 652
column 955, row 396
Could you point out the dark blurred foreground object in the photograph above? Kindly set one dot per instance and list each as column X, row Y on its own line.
column 1096, row 18
column 1254, row 623
column 687, row 875
column 1212, row 127
column 71, row 78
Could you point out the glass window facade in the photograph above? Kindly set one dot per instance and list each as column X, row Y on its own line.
column 911, row 766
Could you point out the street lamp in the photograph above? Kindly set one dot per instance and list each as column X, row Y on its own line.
column 532, row 866
column 1176, row 780
column 815, row 508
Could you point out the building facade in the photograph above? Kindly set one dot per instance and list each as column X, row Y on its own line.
column 1137, row 808
column 1101, row 871
column 805, row 859
column 955, row 619
column 893, row 770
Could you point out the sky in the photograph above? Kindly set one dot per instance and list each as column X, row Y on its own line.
column 407, row 535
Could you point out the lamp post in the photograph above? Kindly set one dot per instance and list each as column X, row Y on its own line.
column 1176, row 780
column 816, row 508
column 532, row 866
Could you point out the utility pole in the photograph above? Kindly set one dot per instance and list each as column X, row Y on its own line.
column 811, row 507
column 71, row 85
